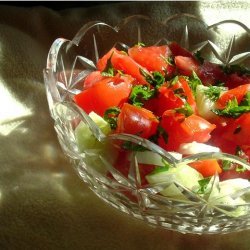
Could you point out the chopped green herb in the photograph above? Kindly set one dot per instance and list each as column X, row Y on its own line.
column 226, row 165
column 203, row 183
column 213, row 92
column 160, row 169
column 232, row 109
column 173, row 81
column 109, row 69
column 246, row 100
column 140, row 44
column 156, row 79
column 140, row 94
column 240, row 169
column 169, row 60
column 111, row 116
column 194, row 81
column 186, row 110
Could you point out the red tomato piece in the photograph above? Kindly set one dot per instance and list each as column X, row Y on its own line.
column 169, row 98
column 238, row 131
column 137, row 121
column 207, row 167
column 183, row 130
column 234, row 80
column 121, row 61
column 154, row 58
column 109, row 92
column 238, row 93
column 210, row 73
column 232, row 174
column 177, row 50
column 187, row 92
column 217, row 140
column 186, row 65
column 92, row 78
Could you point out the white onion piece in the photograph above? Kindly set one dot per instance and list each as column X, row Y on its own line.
column 149, row 157
column 196, row 147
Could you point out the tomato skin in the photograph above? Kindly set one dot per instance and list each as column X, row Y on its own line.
column 183, row 84
column 186, row 65
column 232, row 174
column 234, row 80
column 183, row 130
column 225, row 145
column 137, row 121
column 210, row 73
column 109, row 92
column 121, row 61
column 92, row 78
column 154, row 58
column 207, row 167
column 238, row 131
column 238, row 93
column 177, row 50
column 168, row 99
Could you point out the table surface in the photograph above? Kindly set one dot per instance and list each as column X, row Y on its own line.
column 43, row 202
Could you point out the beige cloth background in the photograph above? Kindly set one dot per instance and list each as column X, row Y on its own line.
column 43, row 203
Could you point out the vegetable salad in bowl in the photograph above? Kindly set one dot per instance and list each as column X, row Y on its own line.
column 156, row 128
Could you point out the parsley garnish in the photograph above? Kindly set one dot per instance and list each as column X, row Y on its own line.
column 232, row 109
column 226, row 165
column 186, row 110
column 160, row 169
column 173, row 81
column 141, row 93
column 156, row 79
column 111, row 116
column 169, row 60
column 203, row 183
column 194, row 81
column 140, row 44
column 109, row 69
column 213, row 92
column 246, row 100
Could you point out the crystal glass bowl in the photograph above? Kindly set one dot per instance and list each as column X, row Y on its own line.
column 70, row 61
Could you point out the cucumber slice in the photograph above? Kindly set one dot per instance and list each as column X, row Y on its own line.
column 182, row 174
column 84, row 137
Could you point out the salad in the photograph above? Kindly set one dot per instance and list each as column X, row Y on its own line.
column 181, row 102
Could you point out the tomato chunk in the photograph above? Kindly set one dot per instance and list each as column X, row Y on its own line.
column 238, row 131
column 121, row 61
column 154, row 58
column 92, row 78
column 137, row 121
column 109, row 92
column 186, row 65
column 207, row 167
column 238, row 93
column 180, row 129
